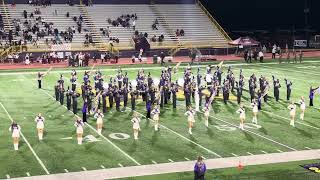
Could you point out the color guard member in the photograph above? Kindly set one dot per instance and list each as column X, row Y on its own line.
column 40, row 125
column 292, row 108
column 15, row 130
column 190, row 113
column 242, row 113
column 135, row 125
column 156, row 113
column 79, row 129
column 99, row 116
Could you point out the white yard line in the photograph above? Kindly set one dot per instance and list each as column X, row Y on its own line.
column 183, row 166
column 27, row 142
column 264, row 152
column 115, row 146
column 102, row 167
column 246, row 130
column 298, row 122
column 120, row 165
column 146, row 68
column 250, row 153
column 83, row 168
column 28, row 174
column 187, row 159
column 66, row 170
column 279, row 150
column 154, row 162
column 170, row 160
column 235, row 155
column 203, row 157
column 183, row 137
column 308, row 148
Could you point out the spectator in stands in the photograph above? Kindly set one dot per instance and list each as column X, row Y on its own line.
column 181, row 32
column 177, row 32
column 68, row 15
column 154, row 38
column 154, row 27
column 134, row 25
column 25, row 14
column 161, row 38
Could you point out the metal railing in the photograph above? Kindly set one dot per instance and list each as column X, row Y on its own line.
column 213, row 20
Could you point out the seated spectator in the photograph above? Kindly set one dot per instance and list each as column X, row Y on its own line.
column 154, row 26
column 68, row 15
column 154, row 38
column 177, row 32
column 181, row 32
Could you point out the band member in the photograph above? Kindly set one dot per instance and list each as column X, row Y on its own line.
column 190, row 113
column 302, row 107
column 288, row 84
column 40, row 125
column 75, row 102
column 99, row 116
column 135, row 125
column 56, row 92
column 300, row 56
column 311, row 95
column 40, row 76
column 15, row 130
column 242, row 113
column 206, row 111
column 156, row 113
column 254, row 106
column 68, row 95
column 292, row 108
column 79, row 125
column 276, row 87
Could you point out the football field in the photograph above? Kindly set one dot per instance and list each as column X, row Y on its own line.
column 21, row 101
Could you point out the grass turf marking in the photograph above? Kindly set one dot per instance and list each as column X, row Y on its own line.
column 308, row 148
column 28, row 174
column 83, row 168
column 187, row 139
column 279, row 150
column 187, row 159
column 264, row 137
column 119, row 149
column 298, row 122
column 120, row 165
column 102, row 167
column 170, row 160
column 250, row 153
column 66, row 170
column 264, row 152
column 27, row 142
column 8, row 176
column 235, row 155
column 148, row 68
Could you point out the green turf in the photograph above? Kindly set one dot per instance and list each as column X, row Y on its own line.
column 22, row 100
column 284, row 171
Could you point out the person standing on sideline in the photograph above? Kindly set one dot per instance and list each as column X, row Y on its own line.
column 199, row 169
column 274, row 49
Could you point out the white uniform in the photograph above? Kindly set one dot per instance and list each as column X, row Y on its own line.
column 242, row 113
column 79, row 125
column 206, row 111
column 254, row 107
column 302, row 104
column 15, row 131
column 99, row 117
column 190, row 115
column 155, row 113
column 292, row 108
column 136, row 123
column 40, row 122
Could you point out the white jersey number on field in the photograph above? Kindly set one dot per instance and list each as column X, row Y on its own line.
column 119, row 136
column 90, row 138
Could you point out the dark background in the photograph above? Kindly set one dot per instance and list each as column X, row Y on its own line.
column 272, row 15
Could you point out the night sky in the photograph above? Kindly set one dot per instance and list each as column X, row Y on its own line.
column 236, row 15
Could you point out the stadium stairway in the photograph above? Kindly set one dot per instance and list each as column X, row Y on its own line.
column 7, row 20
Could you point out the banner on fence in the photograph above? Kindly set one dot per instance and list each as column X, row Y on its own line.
column 61, row 47
column 300, row 43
